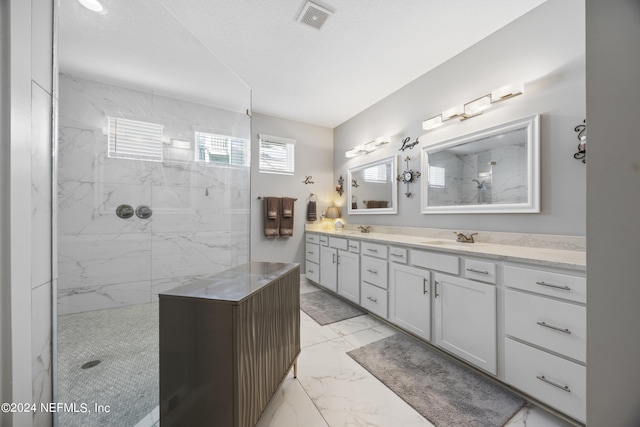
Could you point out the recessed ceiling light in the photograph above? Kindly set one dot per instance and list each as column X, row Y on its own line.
column 93, row 5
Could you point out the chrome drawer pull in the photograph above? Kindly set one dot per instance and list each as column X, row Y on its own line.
column 310, row 252
column 372, row 250
column 555, row 328
column 436, row 286
column 564, row 288
column 372, row 299
column 398, row 255
column 372, row 271
column 425, row 283
column 561, row 387
column 353, row 247
column 310, row 271
column 477, row 271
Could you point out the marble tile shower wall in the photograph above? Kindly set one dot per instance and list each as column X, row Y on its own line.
column 200, row 218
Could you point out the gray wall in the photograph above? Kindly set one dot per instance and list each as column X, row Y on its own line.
column 25, row 220
column 314, row 157
column 613, row 203
column 544, row 49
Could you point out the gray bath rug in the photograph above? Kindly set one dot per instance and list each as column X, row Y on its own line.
column 442, row 391
column 325, row 308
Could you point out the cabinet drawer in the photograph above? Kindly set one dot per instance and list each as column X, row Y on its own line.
column 531, row 370
column 555, row 325
column 338, row 243
column 324, row 240
column 374, row 249
column 354, row 246
column 312, row 252
column 374, row 271
column 435, row 261
column 312, row 271
column 313, row 238
column 374, row 299
column 558, row 285
column 480, row 270
column 398, row 254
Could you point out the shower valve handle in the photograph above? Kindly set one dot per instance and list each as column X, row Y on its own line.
column 144, row 211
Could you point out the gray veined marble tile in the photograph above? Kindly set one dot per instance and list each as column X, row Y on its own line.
column 101, row 297
column 103, row 259
column 90, row 208
column 41, row 364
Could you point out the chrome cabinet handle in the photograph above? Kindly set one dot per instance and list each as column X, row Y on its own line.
column 550, row 285
column 372, row 299
column 334, row 258
column 372, row 271
column 372, row 250
column 555, row 328
column 561, row 387
column 425, row 283
column 477, row 271
column 353, row 247
column 437, row 294
column 310, row 271
column 398, row 255
column 310, row 252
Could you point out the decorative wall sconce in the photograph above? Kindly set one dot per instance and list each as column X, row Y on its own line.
column 408, row 176
column 367, row 148
column 582, row 146
column 475, row 107
column 339, row 188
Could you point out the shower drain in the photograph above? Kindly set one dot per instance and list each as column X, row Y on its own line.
column 90, row 364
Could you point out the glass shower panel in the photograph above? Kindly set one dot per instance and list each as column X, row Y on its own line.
column 153, row 167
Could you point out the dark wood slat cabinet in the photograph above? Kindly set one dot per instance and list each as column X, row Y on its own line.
column 227, row 342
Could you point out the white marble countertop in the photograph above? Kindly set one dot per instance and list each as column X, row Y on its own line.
column 569, row 259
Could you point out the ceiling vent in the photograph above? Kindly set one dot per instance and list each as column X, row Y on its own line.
column 313, row 15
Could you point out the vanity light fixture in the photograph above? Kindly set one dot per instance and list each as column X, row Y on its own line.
column 475, row 107
column 93, row 5
column 367, row 148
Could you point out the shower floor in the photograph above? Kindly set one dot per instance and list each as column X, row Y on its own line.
column 125, row 382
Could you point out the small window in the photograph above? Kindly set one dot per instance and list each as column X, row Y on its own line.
column 436, row 176
column 221, row 149
column 131, row 139
column 376, row 173
column 276, row 154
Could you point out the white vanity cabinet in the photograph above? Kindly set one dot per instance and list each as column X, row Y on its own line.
column 545, row 336
column 410, row 299
column 349, row 275
column 312, row 257
column 329, row 268
column 465, row 321
column 374, row 278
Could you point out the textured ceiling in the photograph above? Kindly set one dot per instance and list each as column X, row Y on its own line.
column 365, row 51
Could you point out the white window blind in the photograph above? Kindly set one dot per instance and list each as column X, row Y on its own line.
column 131, row 139
column 276, row 155
column 436, row 176
column 221, row 149
column 376, row 174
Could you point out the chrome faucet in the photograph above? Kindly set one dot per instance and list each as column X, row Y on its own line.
column 464, row 239
column 364, row 228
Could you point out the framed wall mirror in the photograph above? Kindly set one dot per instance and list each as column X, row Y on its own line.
column 372, row 188
column 495, row 170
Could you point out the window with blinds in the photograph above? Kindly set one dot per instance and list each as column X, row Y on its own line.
column 376, row 173
column 276, row 155
column 132, row 139
column 221, row 149
column 436, row 176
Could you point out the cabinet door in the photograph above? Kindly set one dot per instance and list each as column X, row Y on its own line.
column 465, row 320
column 329, row 268
column 349, row 275
column 409, row 299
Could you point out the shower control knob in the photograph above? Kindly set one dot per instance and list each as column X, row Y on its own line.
column 143, row 211
column 124, row 211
